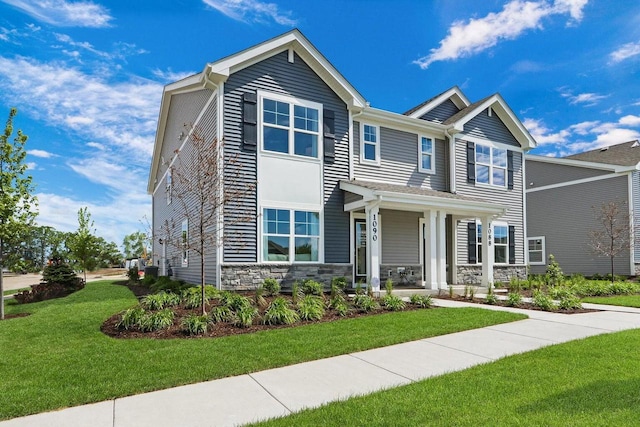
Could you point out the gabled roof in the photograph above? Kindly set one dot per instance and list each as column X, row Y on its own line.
column 454, row 94
column 504, row 112
column 624, row 154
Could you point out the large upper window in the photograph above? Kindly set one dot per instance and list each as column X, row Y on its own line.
column 370, row 144
column 536, row 248
column 500, row 243
column 491, row 165
column 290, row 126
column 281, row 242
column 425, row 155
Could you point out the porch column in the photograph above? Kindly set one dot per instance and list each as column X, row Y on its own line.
column 441, row 250
column 430, row 250
column 373, row 245
column 453, row 262
column 487, row 251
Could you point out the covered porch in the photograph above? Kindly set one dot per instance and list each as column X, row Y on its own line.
column 425, row 219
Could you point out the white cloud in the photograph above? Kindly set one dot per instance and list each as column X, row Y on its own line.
column 517, row 16
column 65, row 13
column 542, row 134
column 630, row 120
column 96, row 145
column 170, row 76
column 252, row 11
column 588, row 99
column 31, row 165
column 114, row 175
column 624, row 52
column 41, row 153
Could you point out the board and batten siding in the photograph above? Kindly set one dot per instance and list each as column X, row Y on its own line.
column 540, row 173
column 399, row 161
column 566, row 215
column 277, row 75
column 490, row 128
column 400, row 237
column 441, row 112
column 501, row 196
column 175, row 212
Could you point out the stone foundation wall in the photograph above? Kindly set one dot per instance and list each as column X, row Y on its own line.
column 412, row 276
column 250, row 276
column 636, row 269
column 472, row 274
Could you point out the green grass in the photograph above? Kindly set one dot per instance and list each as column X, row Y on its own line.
column 622, row 300
column 57, row 356
column 591, row 382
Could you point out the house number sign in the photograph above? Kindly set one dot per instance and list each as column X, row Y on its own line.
column 489, row 235
column 374, row 227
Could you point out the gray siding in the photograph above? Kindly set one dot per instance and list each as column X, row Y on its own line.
column 441, row 112
column 511, row 198
column 491, row 128
column 566, row 215
column 400, row 236
column 635, row 185
column 296, row 79
column 541, row 173
column 351, row 197
column 399, row 161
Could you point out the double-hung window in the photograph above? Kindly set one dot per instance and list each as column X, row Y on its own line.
column 426, row 155
column 491, row 165
column 536, row 248
column 370, row 144
column 283, row 243
column 500, row 243
column 290, row 126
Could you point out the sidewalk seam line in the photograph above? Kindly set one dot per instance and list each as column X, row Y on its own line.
column 270, row 394
column 113, row 423
column 380, row 367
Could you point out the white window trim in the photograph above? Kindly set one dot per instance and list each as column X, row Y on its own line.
column 493, row 242
column 491, row 166
column 363, row 142
column 262, row 95
column 543, row 250
column 184, row 241
column 292, row 235
column 432, row 154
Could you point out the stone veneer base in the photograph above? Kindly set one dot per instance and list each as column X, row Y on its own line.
column 472, row 274
column 250, row 276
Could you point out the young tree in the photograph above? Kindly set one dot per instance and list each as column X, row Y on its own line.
column 16, row 201
column 136, row 245
column 614, row 233
column 82, row 244
column 197, row 177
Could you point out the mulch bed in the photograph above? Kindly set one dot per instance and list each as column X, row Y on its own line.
column 523, row 305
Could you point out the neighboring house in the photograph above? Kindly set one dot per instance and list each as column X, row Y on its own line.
column 431, row 197
column 563, row 197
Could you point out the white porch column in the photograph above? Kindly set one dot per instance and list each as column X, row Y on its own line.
column 453, row 262
column 487, row 251
column 441, row 250
column 373, row 245
column 430, row 250
column 163, row 259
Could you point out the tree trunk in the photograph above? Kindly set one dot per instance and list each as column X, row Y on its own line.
column 612, row 270
column 204, row 308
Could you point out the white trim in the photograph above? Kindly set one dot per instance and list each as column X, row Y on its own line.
column 575, row 182
column 292, row 235
column 478, row 221
column 456, row 96
column 401, row 122
column 452, row 163
column 364, row 160
column 351, row 145
column 544, row 250
column 490, row 143
column 431, row 170
column 581, row 163
column 525, row 229
column 220, row 226
column 632, row 225
column 491, row 166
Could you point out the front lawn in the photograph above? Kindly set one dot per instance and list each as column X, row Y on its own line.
column 621, row 300
column 57, row 356
column 590, row 382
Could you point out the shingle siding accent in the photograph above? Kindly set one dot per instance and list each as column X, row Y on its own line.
column 441, row 113
column 295, row 79
column 542, row 173
column 399, row 160
column 491, row 128
column 565, row 215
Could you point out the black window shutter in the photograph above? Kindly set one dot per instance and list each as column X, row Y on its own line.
column 512, row 244
column 471, row 162
column 510, row 169
column 249, row 121
column 472, row 243
column 329, row 135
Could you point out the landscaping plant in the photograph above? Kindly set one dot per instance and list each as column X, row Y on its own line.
column 393, row 303
column 195, row 324
column 271, row 286
column 280, row 313
column 311, row 307
column 422, row 301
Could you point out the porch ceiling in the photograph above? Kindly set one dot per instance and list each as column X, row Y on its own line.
column 400, row 197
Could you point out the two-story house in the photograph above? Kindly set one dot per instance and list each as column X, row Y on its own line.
column 430, row 197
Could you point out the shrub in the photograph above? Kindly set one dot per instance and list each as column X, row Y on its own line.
column 148, row 280
column 339, row 305
column 133, row 275
column 161, row 319
column 238, row 302
column 311, row 307
column 340, row 282
column 131, row 318
column 244, row 316
column 514, row 299
column 554, row 272
column 192, row 296
column 543, row 301
column 388, row 286
column 365, row 303
column 514, row 284
column 195, row 325
column 422, row 301
column 164, row 283
column 220, row 314
column 280, row 313
column 271, row 286
column 393, row 303
column 558, row 292
column 491, row 299
column 62, row 274
column 569, row 302
column 311, row 287
column 296, row 293
column 42, row 292
column 160, row 300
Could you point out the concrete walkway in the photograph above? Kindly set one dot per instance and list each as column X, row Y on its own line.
column 279, row 392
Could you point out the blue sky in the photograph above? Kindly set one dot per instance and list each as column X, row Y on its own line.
column 87, row 76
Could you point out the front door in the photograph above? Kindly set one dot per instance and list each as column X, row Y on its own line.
column 360, row 240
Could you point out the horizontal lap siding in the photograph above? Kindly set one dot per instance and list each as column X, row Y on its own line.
column 490, row 128
column 441, row 113
column 295, row 79
column 566, row 215
column 400, row 236
column 635, row 179
column 541, row 173
column 399, row 161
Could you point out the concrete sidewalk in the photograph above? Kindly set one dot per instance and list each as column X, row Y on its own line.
column 279, row 392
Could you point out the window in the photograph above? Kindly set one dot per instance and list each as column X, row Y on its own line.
column 185, row 243
column 370, row 144
column 500, row 243
column 290, row 126
column 491, row 165
column 279, row 243
column 536, row 248
column 425, row 155
column 168, row 186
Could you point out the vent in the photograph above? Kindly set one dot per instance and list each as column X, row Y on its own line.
column 604, row 149
column 635, row 144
